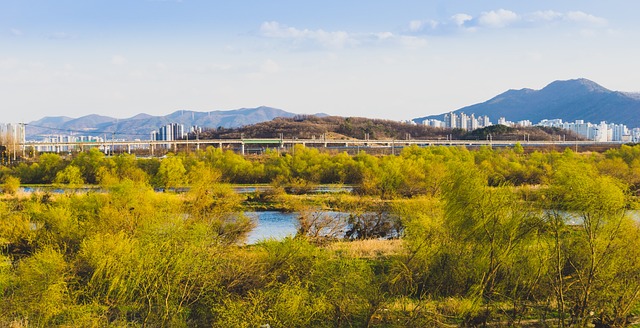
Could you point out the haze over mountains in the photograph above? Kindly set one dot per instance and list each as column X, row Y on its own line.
column 141, row 125
column 570, row 100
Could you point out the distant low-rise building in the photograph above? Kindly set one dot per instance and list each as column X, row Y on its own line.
column 434, row 123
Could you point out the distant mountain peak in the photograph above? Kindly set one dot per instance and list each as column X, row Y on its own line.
column 569, row 100
column 141, row 116
column 52, row 120
column 581, row 84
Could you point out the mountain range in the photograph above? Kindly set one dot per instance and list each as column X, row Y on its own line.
column 570, row 100
column 141, row 125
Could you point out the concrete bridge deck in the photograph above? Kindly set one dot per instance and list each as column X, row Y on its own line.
column 242, row 145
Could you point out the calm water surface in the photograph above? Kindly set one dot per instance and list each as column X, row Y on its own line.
column 272, row 225
column 237, row 188
column 278, row 225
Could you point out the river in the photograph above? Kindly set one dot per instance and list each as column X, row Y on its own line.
column 278, row 225
column 272, row 225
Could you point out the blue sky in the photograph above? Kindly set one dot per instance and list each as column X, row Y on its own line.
column 385, row 59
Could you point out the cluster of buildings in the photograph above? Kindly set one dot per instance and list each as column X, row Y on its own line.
column 460, row 121
column 173, row 131
column 470, row 122
column 523, row 123
column 12, row 133
column 44, row 144
column 602, row 132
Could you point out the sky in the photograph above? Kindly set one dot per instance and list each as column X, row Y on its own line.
column 386, row 59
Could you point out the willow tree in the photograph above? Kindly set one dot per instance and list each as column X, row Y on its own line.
column 492, row 227
column 216, row 204
column 593, row 258
column 171, row 173
column 70, row 176
column 90, row 163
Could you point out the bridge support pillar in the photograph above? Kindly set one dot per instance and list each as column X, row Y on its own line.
column 242, row 148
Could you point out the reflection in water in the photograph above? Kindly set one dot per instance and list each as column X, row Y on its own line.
column 272, row 225
column 574, row 218
column 322, row 189
column 278, row 225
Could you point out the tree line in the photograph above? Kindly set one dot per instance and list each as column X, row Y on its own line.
column 415, row 171
column 484, row 237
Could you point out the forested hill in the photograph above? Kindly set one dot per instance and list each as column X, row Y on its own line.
column 335, row 127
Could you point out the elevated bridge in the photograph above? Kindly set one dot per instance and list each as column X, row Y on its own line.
column 243, row 146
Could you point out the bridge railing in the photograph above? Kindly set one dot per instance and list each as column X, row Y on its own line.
column 241, row 145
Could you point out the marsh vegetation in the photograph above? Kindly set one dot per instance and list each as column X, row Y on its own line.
column 436, row 236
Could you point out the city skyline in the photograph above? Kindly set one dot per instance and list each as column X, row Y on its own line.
column 382, row 60
column 599, row 132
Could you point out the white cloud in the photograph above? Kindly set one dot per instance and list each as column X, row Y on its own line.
column 16, row 32
column 461, row 19
column 415, row 25
column 503, row 18
column 329, row 39
column 582, row 17
column 418, row 25
column 275, row 30
column 333, row 39
column 498, row 18
column 413, row 35
column 544, row 16
column 569, row 17
column 118, row 60
column 384, row 35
